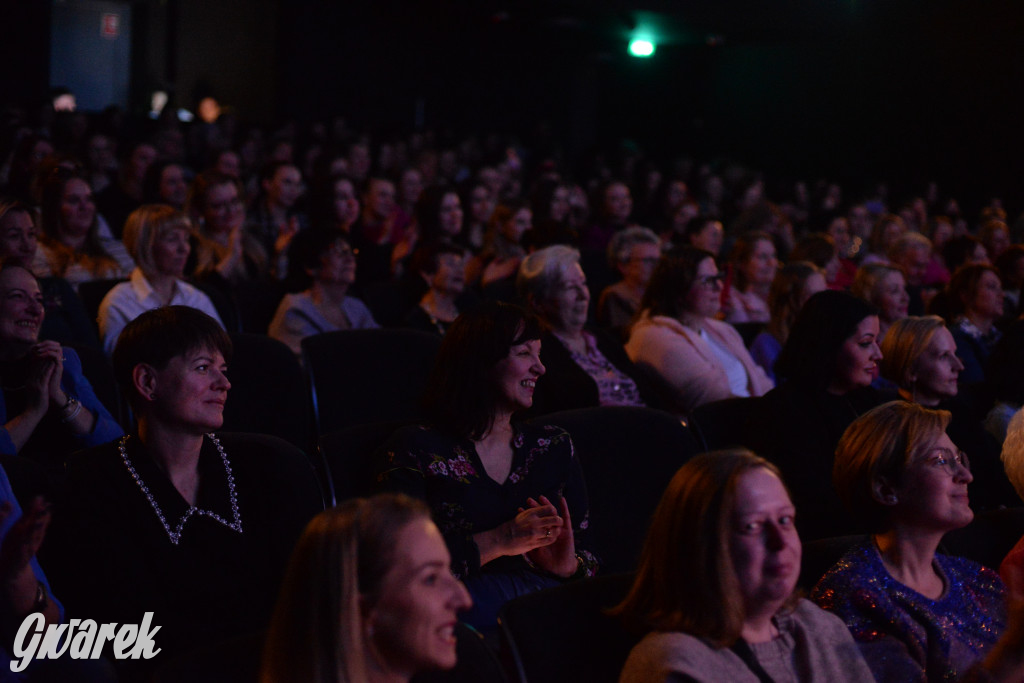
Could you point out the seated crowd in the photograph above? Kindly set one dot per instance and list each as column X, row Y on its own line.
column 877, row 351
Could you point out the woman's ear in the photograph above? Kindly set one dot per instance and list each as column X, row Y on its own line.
column 144, row 380
column 884, row 492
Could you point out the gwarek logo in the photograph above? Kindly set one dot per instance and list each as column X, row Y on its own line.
column 81, row 639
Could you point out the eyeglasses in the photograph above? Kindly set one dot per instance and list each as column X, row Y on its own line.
column 944, row 457
column 709, row 281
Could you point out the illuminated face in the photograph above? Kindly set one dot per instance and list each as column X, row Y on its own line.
column 988, row 297
column 618, row 202
column 18, row 238
column 450, row 278
column 891, row 297
column 450, row 215
column 637, row 269
column 517, row 374
column 21, row 307
column 932, row 495
column 189, row 394
column 338, row 264
column 761, row 266
column 346, row 205
column 705, row 296
column 380, row 199
column 413, row 621
column 763, row 543
column 285, row 188
column 77, row 208
column 710, row 237
column 224, row 209
column 937, row 370
column 858, row 358
column 173, row 188
column 170, row 252
column 516, row 225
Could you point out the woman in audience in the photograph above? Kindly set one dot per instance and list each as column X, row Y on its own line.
column 441, row 265
column 976, row 302
column 508, row 497
column 324, row 267
column 887, row 229
column 65, row 320
column 480, row 206
column 71, row 245
column 883, row 286
column 698, row 358
column 825, row 372
column 916, row 615
column 335, row 205
column 715, row 585
column 753, row 264
column 615, row 206
column 707, row 233
column 165, row 183
column 1006, row 380
column 47, row 406
column 158, row 238
column 368, row 595
column 794, row 284
column 226, row 253
column 173, row 519
column 633, row 252
column 583, row 368
column 503, row 250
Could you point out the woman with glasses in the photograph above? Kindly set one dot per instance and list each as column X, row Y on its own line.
column 917, row 615
column 633, row 252
column 226, row 254
column 698, row 358
column 325, row 265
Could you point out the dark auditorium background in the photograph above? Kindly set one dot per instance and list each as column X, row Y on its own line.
column 907, row 90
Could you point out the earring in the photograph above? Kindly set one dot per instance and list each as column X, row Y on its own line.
column 891, row 500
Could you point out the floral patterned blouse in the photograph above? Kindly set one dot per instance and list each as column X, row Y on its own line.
column 448, row 474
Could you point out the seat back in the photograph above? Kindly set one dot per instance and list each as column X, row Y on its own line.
column 365, row 376
column 348, row 455
column 563, row 634
column 721, row 424
column 628, row 456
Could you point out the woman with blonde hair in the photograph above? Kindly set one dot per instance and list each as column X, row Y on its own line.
column 158, row 238
column 883, row 285
column 368, row 596
column 715, row 585
column 916, row 615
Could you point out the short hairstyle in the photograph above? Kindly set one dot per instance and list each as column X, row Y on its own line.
column 743, row 250
column 316, row 633
column 903, row 344
column 685, row 580
column 144, row 227
column 784, row 296
column 157, row 336
column 964, row 285
column 426, row 257
column 672, row 280
column 306, row 253
column 462, row 393
column 907, row 241
column 623, row 241
column 199, row 191
column 879, row 445
column 818, row 247
column 828, row 319
column 868, row 279
column 541, row 271
column 1013, row 452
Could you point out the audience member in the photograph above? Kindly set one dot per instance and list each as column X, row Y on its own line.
column 633, row 252
column 975, row 297
column 882, row 285
column 442, row 267
column 794, row 284
column 753, row 265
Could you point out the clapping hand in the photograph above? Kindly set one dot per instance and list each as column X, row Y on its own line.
column 558, row 556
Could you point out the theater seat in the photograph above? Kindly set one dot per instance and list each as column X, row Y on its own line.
column 628, row 456
column 563, row 634
column 721, row 424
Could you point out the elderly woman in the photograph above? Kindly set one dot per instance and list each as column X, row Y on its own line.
column 698, row 358
column 633, row 252
column 65, row 319
column 794, row 284
column 976, row 302
column 716, row 582
column 72, row 244
column 508, row 497
column 158, row 238
column 883, row 286
column 825, row 372
column 174, row 519
column 917, row 615
column 584, row 368
column 369, row 595
column 442, row 267
column 324, row 262
column 754, row 264
column 48, row 408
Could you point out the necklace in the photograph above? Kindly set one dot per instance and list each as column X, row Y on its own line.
column 175, row 534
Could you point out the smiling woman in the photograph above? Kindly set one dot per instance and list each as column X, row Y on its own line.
column 369, row 596
column 508, row 497
column 174, row 519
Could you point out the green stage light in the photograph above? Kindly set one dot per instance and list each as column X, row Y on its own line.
column 641, row 48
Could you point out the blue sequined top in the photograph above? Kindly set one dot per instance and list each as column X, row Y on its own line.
column 906, row 636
